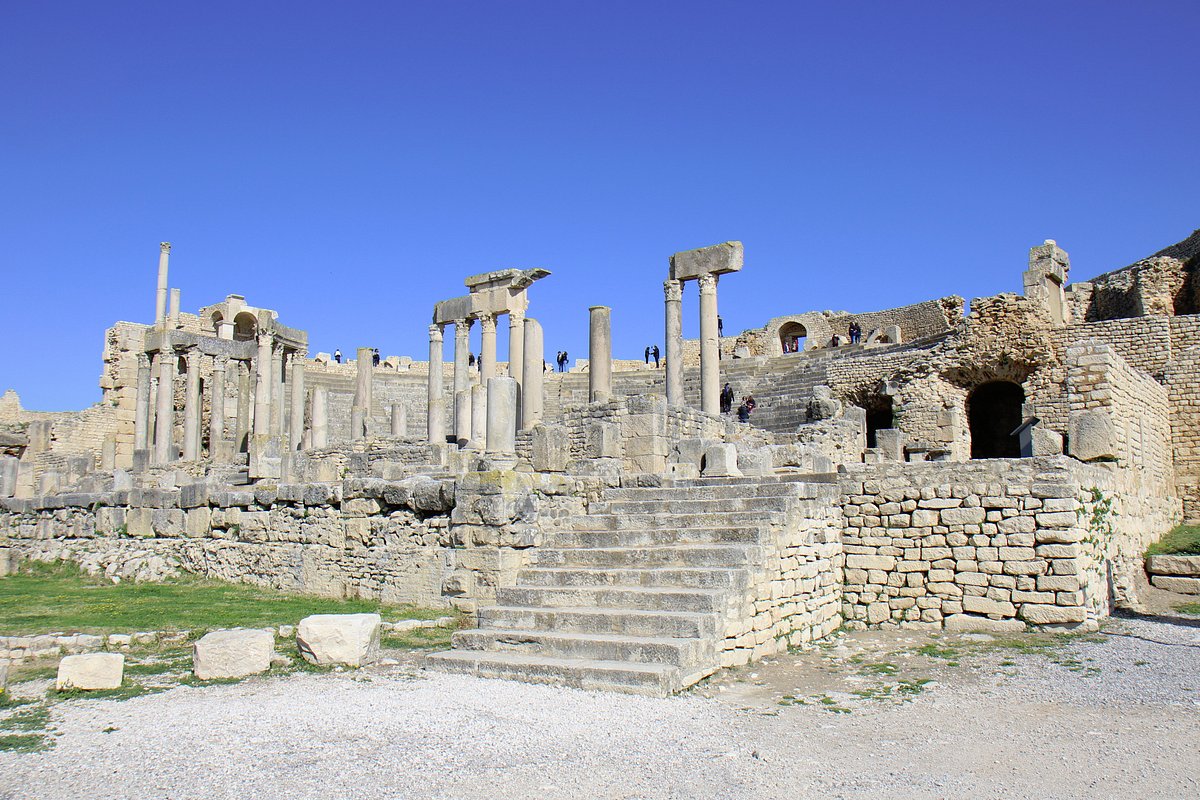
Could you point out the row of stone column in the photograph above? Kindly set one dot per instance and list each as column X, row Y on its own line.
column 154, row 414
column 710, row 343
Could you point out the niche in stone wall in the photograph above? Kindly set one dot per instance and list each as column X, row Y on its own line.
column 245, row 327
column 879, row 417
column 993, row 413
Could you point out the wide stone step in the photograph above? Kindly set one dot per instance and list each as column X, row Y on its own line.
column 692, row 578
column 680, row 520
column 695, row 555
column 712, row 492
column 643, row 598
column 689, row 506
column 653, row 537
column 591, row 646
column 651, row 679
column 628, row 622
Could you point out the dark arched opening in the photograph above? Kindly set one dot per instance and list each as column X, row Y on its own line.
column 245, row 327
column 792, row 336
column 993, row 413
column 879, row 417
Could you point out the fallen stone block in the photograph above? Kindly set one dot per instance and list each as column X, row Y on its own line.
column 1092, row 436
column 348, row 639
column 91, row 671
column 1052, row 615
column 233, row 653
column 720, row 461
column 1178, row 584
column 1159, row 565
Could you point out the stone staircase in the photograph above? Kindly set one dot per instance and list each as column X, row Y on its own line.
column 637, row 595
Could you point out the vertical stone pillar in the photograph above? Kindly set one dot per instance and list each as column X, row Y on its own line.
column 160, row 297
column 534, row 373
column 191, row 407
column 320, row 417
column 164, row 418
column 364, row 372
column 462, row 352
column 436, row 419
column 478, row 417
column 487, row 354
column 262, row 386
column 501, row 416
column 710, row 352
column 516, row 353
column 462, row 417
column 600, row 354
column 399, row 420
column 141, row 411
column 277, row 392
column 244, row 405
column 153, row 415
column 216, row 416
column 673, row 341
column 296, row 416
column 173, row 314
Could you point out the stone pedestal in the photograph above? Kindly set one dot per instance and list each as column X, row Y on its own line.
column 436, row 422
column 710, row 352
column 673, row 343
column 502, row 417
column 533, row 375
column 599, row 354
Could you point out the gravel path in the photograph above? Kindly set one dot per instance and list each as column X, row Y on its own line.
column 999, row 726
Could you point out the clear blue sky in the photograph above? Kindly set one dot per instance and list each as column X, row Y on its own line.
column 348, row 163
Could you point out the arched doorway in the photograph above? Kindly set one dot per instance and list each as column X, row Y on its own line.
column 792, row 336
column 245, row 327
column 993, row 413
column 879, row 417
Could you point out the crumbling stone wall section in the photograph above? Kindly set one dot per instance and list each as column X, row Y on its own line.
column 1001, row 542
column 1183, row 388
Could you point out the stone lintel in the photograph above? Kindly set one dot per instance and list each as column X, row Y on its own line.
column 716, row 259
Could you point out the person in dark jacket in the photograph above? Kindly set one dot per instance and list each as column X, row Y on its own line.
column 726, row 399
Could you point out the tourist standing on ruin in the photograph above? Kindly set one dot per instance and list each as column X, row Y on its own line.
column 375, row 357
column 726, row 399
column 654, row 352
column 647, row 355
column 743, row 413
column 337, row 356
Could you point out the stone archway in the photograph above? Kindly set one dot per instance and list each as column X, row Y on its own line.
column 245, row 327
column 792, row 337
column 993, row 413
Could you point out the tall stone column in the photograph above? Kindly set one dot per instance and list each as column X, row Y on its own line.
column 501, row 416
column 141, row 411
column 534, row 373
column 320, row 417
column 296, row 415
column 244, row 405
column 478, row 417
column 436, row 414
column 487, row 354
column 710, row 346
column 277, row 394
column 462, row 354
column 673, row 341
column 364, row 371
column 599, row 354
column 173, row 310
column 516, row 353
column 462, row 417
column 399, row 420
column 262, row 386
column 191, row 407
column 164, row 417
column 216, row 415
column 160, row 297
column 153, row 413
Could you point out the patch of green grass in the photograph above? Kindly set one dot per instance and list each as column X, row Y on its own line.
column 23, row 742
column 879, row 668
column 32, row 672
column 1182, row 540
column 8, row 701
column 913, row 687
column 58, row 597
column 126, row 691
column 1191, row 609
column 932, row 650
column 419, row 639
column 32, row 719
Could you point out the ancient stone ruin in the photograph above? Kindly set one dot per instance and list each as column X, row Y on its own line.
column 609, row 527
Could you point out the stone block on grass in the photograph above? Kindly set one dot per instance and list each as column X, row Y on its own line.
column 233, row 653
column 351, row 640
column 91, row 672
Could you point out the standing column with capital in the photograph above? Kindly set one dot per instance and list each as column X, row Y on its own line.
column 296, row 415
column 160, row 297
column 277, row 394
column 673, row 342
column 262, row 386
column 599, row 354
column 516, row 354
column 436, row 413
column 245, row 404
column 191, row 407
column 487, row 354
column 164, row 417
column 534, row 373
column 710, row 346
column 462, row 374
column 216, row 412
column 141, row 411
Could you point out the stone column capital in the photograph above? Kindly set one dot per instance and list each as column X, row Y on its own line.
column 435, row 333
column 193, row 358
column 220, row 363
column 164, row 247
column 673, row 290
column 516, row 317
column 487, row 323
column 143, row 360
column 463, row 324
column 166, row 351
column 708, row 282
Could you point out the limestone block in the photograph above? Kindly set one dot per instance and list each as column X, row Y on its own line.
column 720, row 461
column 964, row 623
column 602, row 440
column 715, row 259
column 349, row 639
column 8, row 561
column 9, row 467
column 1046, row 442
column 1180, row 584
column 756, row 462
column 91, row 671
column 1052, row 615
column 985, row 605
column 551, row 446
column 232, row 653
column 890, row 442
column 1092, row 436
column 963, row 516
column 1174, row 565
